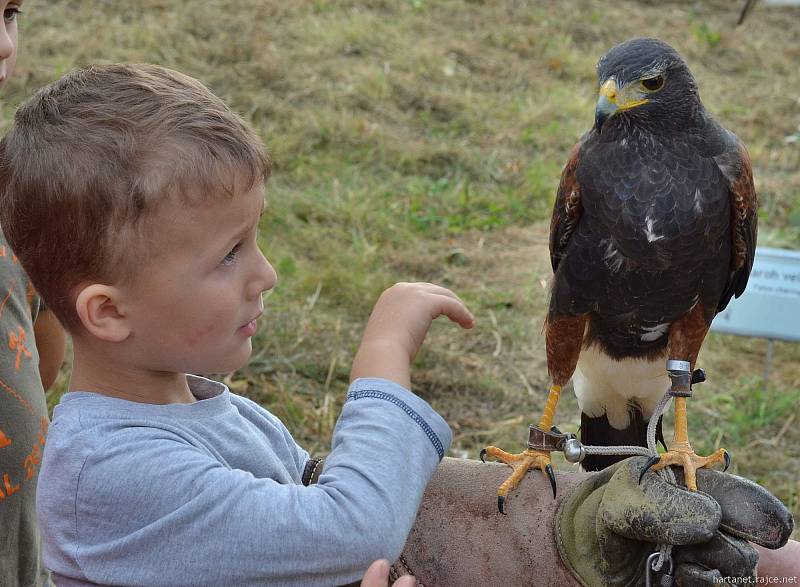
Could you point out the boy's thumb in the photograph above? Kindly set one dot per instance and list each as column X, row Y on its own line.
column 377, row 574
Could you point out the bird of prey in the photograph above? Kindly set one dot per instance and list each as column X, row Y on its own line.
column 653, row 231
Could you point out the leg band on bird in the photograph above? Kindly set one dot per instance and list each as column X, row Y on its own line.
column 547, row 440
column 680, row 374
column 554, row 439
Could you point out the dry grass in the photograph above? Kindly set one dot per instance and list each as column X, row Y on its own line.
column 424, row 140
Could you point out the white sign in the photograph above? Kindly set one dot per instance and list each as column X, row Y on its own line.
column 770, row 306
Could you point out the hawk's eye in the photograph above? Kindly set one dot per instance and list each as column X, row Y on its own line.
column 653, row 84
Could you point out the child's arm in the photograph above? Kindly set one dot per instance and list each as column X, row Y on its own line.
column 50, row 343
column 398, row 326
column 126, row 512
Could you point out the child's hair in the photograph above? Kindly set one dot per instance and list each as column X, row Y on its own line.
column 90, row 156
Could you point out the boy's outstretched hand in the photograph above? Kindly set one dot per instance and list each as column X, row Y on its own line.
column 398, row 326
column 377, row 575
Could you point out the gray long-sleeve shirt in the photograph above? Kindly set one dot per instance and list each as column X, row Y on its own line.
column 210, row 493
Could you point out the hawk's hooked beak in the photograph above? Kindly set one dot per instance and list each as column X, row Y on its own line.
column 610, row 102
column 606, row 104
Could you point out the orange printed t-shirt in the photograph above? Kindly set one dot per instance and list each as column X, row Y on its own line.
column 23, row 426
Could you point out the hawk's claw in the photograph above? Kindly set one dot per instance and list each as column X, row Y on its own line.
column 680, row 454
column 483, row 454
column 552, row 476
column 650, row 462
column 521, row 463
column 727, row 458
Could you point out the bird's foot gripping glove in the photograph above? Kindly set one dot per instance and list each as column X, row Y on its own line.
column 609, row 525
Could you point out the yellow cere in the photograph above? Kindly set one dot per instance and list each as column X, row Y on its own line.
column 609, row 90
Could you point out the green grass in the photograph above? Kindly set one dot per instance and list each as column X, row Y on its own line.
column 423, row 140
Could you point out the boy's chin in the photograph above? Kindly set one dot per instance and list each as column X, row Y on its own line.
column 227, row 366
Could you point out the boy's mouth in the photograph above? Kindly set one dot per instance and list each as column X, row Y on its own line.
column 250, row 328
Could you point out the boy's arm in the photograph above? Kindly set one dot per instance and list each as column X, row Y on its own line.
column 153, row 508
column 51, row 342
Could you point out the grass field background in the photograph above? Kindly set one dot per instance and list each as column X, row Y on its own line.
column 422, row 140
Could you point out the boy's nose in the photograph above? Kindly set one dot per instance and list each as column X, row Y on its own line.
column 7, row 47
column 265, row 278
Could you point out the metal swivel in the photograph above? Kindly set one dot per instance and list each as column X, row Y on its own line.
column 573, row 450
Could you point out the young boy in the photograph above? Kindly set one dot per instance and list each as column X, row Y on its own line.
column 33, row 348
column 132, row 196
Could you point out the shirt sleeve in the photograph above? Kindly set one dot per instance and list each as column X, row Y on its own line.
column 299, row 455
column 153, row 509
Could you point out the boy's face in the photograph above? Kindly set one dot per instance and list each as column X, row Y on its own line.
column 194, row 301
column 8, row 38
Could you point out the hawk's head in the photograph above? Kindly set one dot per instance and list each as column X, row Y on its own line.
column 646, row 82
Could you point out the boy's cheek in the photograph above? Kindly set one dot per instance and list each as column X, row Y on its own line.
column 202, row 328
column 200, row 334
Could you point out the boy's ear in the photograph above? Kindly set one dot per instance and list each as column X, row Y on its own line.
column 102, row 312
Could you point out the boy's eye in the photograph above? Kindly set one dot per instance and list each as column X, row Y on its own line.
column 230, row 258
column 11, row 14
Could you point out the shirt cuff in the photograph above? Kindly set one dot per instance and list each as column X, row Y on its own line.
column 416, row 408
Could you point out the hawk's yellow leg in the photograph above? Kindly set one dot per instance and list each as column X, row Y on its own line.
column 680, row 452
column 529, row 458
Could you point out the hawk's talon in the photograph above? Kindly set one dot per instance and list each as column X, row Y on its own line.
column 521, row 463
column 650, row 462
column 551, row 476
column 482, row 455
column 681, row 455
column 727, row 457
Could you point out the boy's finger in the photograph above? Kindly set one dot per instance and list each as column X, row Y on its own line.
column 440, row 290
column 456, row 311
column 377, row 574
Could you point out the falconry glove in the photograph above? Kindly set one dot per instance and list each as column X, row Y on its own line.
column 609, row 524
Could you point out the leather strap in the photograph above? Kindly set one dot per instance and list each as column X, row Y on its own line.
column 312, row 471
column 546, row 440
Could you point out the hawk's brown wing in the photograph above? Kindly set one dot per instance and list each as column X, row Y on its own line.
column 567, row 208
column 735, row 165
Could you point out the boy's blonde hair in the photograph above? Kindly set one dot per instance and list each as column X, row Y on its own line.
column 92, row 155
